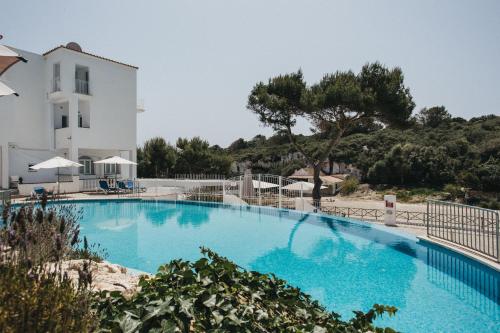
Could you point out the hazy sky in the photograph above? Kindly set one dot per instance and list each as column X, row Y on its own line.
column 198, row 60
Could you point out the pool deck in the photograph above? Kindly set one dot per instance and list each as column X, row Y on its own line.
column 417, row 231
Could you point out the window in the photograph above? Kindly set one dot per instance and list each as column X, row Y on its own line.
column 57, row 77
column 82, row 80
column 80, row 119
column 64, row 121
column 111, row 169
column 88, row 166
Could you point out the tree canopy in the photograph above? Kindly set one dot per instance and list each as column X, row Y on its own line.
column 333, row 106
column 157, row 158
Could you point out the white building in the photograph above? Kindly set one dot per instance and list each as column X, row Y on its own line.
column 72, row 104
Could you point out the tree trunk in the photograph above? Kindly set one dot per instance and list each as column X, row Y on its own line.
column 317, row 185
column 330, row 165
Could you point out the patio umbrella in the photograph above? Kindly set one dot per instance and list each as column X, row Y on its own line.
column 56, row 162
column 263, row 185
column 247, row 185
column 5, row 90
column 304, row 186
column 8, row 58
column 116, row 160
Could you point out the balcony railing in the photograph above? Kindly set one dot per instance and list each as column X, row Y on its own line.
column 56, row 84
column 82, row 87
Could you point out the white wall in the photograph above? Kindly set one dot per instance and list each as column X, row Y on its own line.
column 28, row 121
column 23, row 119
column 63, row 187
column 112, row 101
column 19, row 160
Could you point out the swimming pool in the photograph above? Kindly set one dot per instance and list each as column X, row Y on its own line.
column 345, row 265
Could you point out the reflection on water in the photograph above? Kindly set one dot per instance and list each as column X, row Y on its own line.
column 195, row 216
column 343, row 265
column 334, row 267
column 446, row 271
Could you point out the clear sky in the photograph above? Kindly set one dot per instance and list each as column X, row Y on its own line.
column 198, row 60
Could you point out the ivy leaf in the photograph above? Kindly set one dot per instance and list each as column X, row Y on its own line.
column 129, row 325
column 211, row 301
column 159, row 310
column 232, row 316
column 217, row 316
column 186, row 307
column 319, row 329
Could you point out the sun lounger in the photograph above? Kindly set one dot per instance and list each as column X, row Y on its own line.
column 123, row 187
column 139, row 188
column 39, row 191
column 104, row 187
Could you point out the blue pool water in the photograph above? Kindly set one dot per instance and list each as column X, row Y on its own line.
column 345, row 265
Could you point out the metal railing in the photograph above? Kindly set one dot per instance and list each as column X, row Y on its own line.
column 375, row 214
column 56, row 84
column 92, row 185
column 198, row 176
column 472, row 227
column 4, row 197
column 82, row 87
column 265, row 190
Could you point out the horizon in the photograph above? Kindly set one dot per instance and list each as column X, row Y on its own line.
column 198, row 61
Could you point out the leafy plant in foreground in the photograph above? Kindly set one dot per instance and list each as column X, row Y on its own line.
column 215, row 295
column 36, row 294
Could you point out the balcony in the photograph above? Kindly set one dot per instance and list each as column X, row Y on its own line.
column 56, row 84
column 82, row 87
column 56, row 94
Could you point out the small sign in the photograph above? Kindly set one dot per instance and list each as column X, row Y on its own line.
column 390, row 209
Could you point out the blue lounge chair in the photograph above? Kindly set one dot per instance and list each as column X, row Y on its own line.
column 123, row 187
column 130, row 186
column 38, row 192
column 103, row 186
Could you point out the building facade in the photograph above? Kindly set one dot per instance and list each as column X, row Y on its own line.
column 71, row 104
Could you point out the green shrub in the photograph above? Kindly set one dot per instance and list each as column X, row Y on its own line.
column 349, row 186
column 42, row 302
column 215, row 295
column 454, row 191
column 404, row 196
column 36, row 295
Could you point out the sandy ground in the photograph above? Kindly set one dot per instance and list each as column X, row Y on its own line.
column 370, row 203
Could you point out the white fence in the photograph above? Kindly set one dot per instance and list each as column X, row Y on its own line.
column 265, row 190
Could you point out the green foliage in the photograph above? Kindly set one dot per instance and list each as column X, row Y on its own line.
column 489, row 175
column 454, row 191
column 334, row 106
column 156, row 158
column 195, row 156
column 35, row 293
column 215, row 295
column 425, row 156
column 43, row 303
column 93, row 252
column 349, row 186
column 290, row 168
column 412, row 164
column 433, row 117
